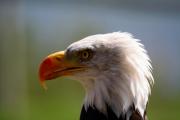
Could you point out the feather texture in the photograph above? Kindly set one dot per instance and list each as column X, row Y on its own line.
column 119, row 75
column 92, row 113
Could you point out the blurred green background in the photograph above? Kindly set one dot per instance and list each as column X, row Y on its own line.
column 30, row 30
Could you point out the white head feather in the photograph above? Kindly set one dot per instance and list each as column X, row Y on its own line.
column 120, row 73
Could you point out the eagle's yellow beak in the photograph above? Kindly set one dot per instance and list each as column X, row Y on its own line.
column 56, row 65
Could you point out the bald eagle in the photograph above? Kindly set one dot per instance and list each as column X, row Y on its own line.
column 115, row 71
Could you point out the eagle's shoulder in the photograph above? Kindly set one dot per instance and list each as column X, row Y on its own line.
column 92, row 113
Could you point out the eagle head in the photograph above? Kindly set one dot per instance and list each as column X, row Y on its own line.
column 114, row 69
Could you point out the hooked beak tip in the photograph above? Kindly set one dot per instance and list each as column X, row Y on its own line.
column 43, row 84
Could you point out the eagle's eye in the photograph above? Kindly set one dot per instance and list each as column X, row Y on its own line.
column 85, row 55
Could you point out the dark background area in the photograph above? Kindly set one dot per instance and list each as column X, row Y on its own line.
column 30, row 30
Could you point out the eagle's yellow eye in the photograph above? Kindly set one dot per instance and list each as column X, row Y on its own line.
column 85, row 55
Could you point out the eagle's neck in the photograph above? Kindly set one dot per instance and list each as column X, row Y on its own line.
column 108, row 91
column 118, row 92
